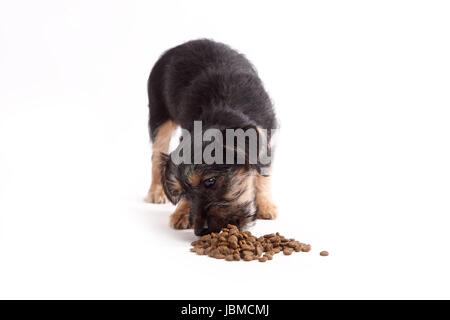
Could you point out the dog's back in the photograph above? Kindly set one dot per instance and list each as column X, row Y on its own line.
column 208, row 81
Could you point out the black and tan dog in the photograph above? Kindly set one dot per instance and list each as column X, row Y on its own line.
column 206, row 81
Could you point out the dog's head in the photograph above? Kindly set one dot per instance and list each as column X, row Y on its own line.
column 220, row 191
column 218, row 194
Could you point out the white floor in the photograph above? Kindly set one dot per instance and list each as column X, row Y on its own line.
column 361, row 168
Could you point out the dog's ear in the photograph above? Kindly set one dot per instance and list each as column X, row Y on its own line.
column 249, row 153
column 170, row 184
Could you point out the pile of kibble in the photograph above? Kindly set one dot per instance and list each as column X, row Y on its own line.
column 233, row 245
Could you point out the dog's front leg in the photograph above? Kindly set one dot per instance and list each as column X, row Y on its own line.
column 180, row 218
column 266, row 208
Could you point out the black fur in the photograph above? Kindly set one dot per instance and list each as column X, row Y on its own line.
column 208, row 81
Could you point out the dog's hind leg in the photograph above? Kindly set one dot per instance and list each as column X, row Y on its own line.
column 266, row 209
column 160, row 145
column 161, row 128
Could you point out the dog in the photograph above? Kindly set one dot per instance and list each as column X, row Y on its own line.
column 203, row 80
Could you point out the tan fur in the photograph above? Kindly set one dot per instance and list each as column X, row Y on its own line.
column 266, row 208
column 244, row 180
column 174, row 185
column 180, row 218
column 243, row 188
column 218, row 213
column 194, row 178
column 161, row 144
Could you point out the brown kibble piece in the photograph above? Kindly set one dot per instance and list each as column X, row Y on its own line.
column 206, row 237
column 229, row 257
column 234, row 245
column 259, row 250
column 262, row 259
column 247, row 252
column 247, row 258
column 306, row 248
column 268, row 236
column 324, row 253
column 292, row 244
column 268, row 256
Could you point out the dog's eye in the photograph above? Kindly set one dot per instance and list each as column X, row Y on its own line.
column 209, row 182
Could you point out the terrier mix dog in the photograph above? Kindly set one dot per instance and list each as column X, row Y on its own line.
column 206, row 81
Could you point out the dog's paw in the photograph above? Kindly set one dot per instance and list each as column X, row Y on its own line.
column 266, row 210
column 180, row 220
column 156, row 195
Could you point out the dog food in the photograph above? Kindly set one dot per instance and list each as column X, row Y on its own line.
column 234, row 245
column 324, row 253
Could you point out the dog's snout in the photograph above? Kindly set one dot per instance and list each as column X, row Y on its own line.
column 202, row 230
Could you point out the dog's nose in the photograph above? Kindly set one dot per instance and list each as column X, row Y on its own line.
column 201, row 232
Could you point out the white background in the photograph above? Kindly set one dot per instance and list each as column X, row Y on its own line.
column 361, row 89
